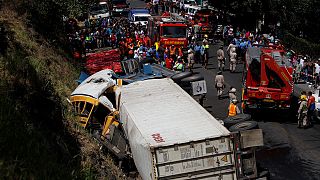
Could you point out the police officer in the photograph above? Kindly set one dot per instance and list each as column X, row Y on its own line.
column 221, row 59
column 219, row 84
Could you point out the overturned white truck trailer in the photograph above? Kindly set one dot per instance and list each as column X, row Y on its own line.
column 172, row 137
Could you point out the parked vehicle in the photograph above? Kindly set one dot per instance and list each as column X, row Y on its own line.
column 99, row 10
column 205, row 19
column 190, row 11
column 178, row 139
column 168, row 30
column 119, row 7
column 137, row 16
column 267, row 79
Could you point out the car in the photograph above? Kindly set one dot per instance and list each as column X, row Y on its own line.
column 99, row 10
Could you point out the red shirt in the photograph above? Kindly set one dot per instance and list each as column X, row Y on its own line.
column 311, row 100
column 169, row 63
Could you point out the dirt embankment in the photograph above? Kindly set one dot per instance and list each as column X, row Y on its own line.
column 39, row 138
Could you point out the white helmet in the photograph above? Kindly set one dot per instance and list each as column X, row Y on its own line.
column 233, row 90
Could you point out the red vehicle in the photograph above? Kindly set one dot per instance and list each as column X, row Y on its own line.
column 168, row 30
column 204, row 18
column 267, row 79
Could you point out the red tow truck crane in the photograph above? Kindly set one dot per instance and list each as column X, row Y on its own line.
column 267, row 79
column 169, row 29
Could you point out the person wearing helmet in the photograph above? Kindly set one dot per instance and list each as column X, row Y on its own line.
column 221, row 58
column 233, row 109
column 232, row 93
column 219, row 84
column 302, row 111
column 233, row 60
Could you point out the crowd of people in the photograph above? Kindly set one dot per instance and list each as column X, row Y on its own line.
column 133, row 42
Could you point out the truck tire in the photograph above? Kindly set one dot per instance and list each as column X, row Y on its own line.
column 179, row 76
column 246, row 125
column 193, row 78
column 230, row 121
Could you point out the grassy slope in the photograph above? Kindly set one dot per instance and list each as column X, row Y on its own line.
column 38, row 138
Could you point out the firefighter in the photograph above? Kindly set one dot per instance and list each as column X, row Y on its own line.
column 233, row 108
column 172, row 50
column 302, row 112
column 190, row 59
column 233, row 60
column 232, row 93
column 221, row 58
column 219, row 84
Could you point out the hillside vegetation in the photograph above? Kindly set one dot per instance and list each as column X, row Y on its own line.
column 39, row 138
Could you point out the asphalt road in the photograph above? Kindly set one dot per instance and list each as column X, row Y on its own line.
column 289, row 152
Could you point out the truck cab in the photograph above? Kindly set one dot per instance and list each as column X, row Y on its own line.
column 137, row 16
column 99, row 10
column 267, row 79
column 168, row 30
column 205, row 19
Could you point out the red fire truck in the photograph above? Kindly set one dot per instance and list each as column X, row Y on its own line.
column 267, row 79
column 204, row 18
column 168, row 30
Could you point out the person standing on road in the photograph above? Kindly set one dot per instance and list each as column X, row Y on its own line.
column 302, row 112
column 233, row 60
column 221, row 58
column 232, row 93
column 197, row 50
column 219, row 84
column 190, row 59
column 233, row 108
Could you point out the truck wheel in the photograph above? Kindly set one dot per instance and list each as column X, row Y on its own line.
column 179, row 76
column 247, row 125
column 193, row 78
column 230, row 121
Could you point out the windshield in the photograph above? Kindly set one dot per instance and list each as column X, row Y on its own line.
column 174, row 32
column 101, row 8
column 141, row 18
